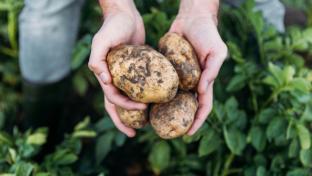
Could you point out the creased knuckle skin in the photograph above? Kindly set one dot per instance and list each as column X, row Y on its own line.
column 132, row 118
column 174, row 119
column 183, row 57
column 142, row 73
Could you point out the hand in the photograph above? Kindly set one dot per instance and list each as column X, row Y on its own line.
column 198, row 23
column 122, row 25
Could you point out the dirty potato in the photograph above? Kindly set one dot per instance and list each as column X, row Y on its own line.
column 173, row 119
column 132, row 118
column 143, row 74
column 182, row 56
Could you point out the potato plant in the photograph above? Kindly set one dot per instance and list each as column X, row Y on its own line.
column 260, row 123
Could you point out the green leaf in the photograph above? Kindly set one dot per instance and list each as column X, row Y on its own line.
column 300, row 84
column 37, row 139
column 277, row 163
column 209, row 143
column 271, row 81
column 307, row 35
column 266, row 115
column 103, row 124
column 219, row 111
column 294, row 149
column 179, row 146
column 298, row 172
column 5, row 139
column 103, row 146
column 231, row 110
column 276, row 128
column 275, row 44
column 120, row 139
column 236, row 83
column 197, row 135
column 288, row 74
column 81, row 52
column 277, row 73
column 235, row 140
column 304, row 136
column 159, row 157
column 307, row 114
column 80, row 84
column 261, row 171
column 306, row 157
column 24, row 169
column 64, row 157
column 257, row 138
column 235, row 52
column 84, row 134
column 67, row 159
column 83, row 124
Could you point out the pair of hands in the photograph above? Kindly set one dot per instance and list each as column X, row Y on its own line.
column 123, row 25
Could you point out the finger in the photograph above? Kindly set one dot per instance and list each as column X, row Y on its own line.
column 111, row 110
column 204, row 108
column 176, row 28
column 211, row 71
column 139, row 35
column 114, row 96
column 97, row 61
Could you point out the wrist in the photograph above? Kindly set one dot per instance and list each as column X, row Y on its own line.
column 114, row 6
column 199, row 8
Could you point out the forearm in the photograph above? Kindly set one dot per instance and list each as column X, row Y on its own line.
column 200, row 8
column 113, row 6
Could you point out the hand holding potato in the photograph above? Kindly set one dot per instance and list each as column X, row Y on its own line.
column 122, row 24
column 198, row 23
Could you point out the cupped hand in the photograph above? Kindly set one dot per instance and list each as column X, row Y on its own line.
column 122, row 25
column 201, row 31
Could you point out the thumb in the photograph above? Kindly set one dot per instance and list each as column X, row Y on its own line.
column 97, row 61
column 176, row 27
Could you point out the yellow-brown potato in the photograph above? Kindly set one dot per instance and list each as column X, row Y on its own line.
column 132, row 118
column 173, row 119
column 143, row 74
column 182, row 56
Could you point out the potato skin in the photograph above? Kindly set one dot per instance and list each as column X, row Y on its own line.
column 143, row 74
column 132, row 118
column 173, row 119
column 182, row 56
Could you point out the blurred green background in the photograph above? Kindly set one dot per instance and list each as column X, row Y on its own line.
column 260, row 124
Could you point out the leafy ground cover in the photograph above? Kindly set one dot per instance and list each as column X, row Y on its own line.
column 260, row 124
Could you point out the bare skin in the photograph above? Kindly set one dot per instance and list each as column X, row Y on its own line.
column 197, row 21
column 123, row 25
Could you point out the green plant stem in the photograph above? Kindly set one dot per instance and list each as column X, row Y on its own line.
column 12, row 28
column 227, row 164
column 253, row 98
column 235, row 171
column 271, row 98
column 261, row 51
column 9, row 51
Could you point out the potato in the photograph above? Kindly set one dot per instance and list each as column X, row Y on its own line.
column 132, row 118
column 173, row 119
column 182, row 56
column 143, row 74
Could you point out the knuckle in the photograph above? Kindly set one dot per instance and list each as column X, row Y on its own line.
column 224, row 50
column 92, row 65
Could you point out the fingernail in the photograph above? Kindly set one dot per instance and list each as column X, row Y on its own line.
column 104, row 78
column 143, row 106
